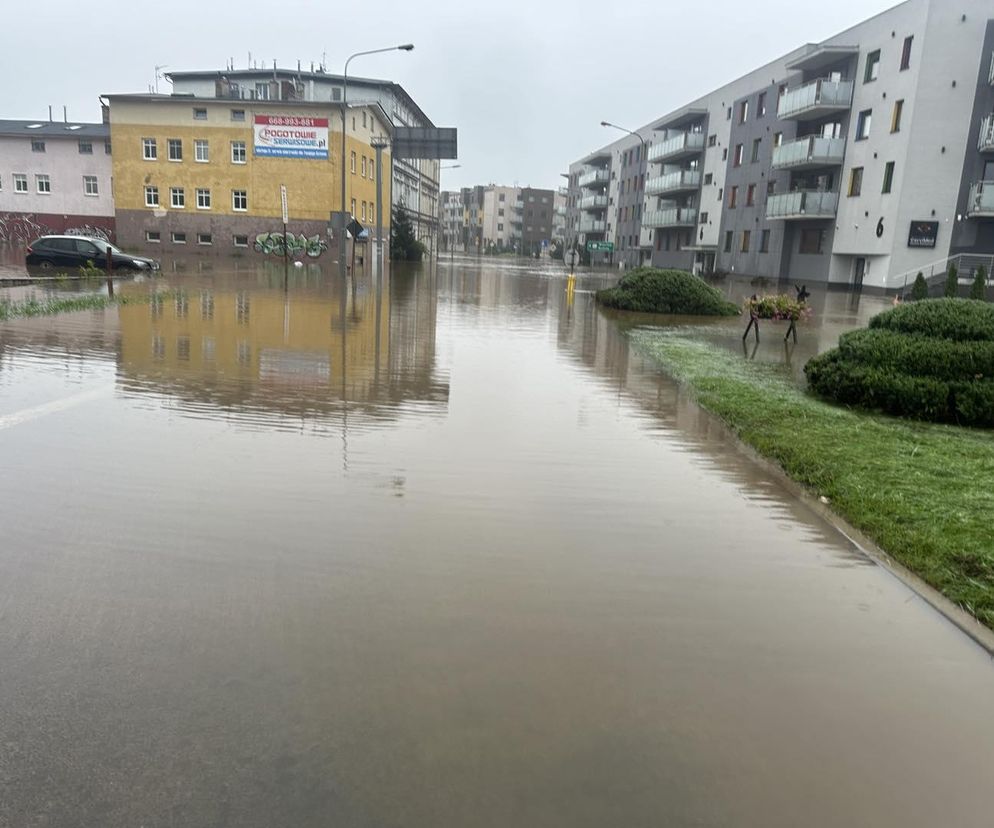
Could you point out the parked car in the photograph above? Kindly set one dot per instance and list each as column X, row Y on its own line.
column 75, row 251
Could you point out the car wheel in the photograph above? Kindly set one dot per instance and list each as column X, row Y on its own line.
column 45, row 265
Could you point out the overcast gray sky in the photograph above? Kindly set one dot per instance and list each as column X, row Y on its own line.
column 527, row 82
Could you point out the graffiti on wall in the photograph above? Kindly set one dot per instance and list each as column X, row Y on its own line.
column 26, row 227
column 89, row 231
column 272, row 244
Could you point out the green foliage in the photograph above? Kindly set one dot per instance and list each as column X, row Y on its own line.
column 952, row 282
column 780, row 306
column 932, row 360
column 32, row 306
column 404, row 247
column 649, row 290
column 919, row 290
column 91, row 271
column 978, row 290
column 272, row 244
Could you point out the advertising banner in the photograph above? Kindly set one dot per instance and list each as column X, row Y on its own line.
column 291, row 136
column 923, row 234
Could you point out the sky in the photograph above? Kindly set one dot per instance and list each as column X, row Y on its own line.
column 526, row 82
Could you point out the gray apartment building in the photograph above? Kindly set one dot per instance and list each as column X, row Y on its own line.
column 859, row 160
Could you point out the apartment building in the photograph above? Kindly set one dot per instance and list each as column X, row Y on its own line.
column 197, row 172
column 854, row 161
column 55, row 177
column 538, row 208
column 498, row 219
column 502, row 218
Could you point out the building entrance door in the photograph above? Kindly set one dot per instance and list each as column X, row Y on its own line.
column 859, row 271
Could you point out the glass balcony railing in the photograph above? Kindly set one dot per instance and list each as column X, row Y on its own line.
column 670, row 217
column 815, row 98
column 679, row 181
column 981, row 202
column 594, row 202
column 813, row 151
column 986, row 143
column 595, row 178
column 802, row 204
column 593, row 226
column 683, row 144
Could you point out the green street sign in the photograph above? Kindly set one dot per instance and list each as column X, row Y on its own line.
column 600, row 247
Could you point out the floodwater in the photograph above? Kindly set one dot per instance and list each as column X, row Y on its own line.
column 441, row 551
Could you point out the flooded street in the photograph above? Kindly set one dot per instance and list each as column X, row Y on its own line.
column 438, row 552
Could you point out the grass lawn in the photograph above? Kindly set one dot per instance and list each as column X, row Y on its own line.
column 923, row 492
column 55, row 305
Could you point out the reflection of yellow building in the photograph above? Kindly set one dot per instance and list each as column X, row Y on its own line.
column 199, row 173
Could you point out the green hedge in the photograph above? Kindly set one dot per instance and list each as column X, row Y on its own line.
column 932, row 360
column 666, row 291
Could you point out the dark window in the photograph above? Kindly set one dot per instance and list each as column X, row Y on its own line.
column 856, row 181
column 37, row 146
column 895, row 120
column 751, row 195
column 872, row 67
column 863, row 124
column 761, row 105
column 906, row 53
column 812, row 241
column 756, row 145
column 728, row 241
column 764, row 242
column 733, row 197
column 746, row 240
column 712, row 140
column 888, row 177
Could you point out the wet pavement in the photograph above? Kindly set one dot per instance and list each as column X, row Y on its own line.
column 441, row 551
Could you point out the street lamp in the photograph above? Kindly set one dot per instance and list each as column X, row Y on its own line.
column 630, row 132
column 406, row 47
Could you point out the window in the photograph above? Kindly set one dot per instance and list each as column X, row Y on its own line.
column 812, row 241
column 863, row 124
column 205, row 238
column 704, row 218
column 739, row 155
column 761, row 105
column 364, row 166
column 239, row 200
column 500, row 228
column 353, row 162
column 733, row 197
column 771, row 187
column 174, row 149
column 363, row 211
column 352, row 211
column 20, row 183
column 238, row 152
column 262, row 91
column 872, row 67
column 177, row 198
column 778, row 139
column 728, row 115
column 756, row 145
column 743, row 112
column 764, row 242
column 237, row 114
column 895, row 118
column 203, row 199
column 199, row 113
column 153, row 236
column 708, row 178
column 149, row 151
column 178, row 238
column 90, row 186
column 888, row 177
column 37, row 145
column 906, row 53
column 500, row 211
column 85, row 147
column 106, row 147
column 724, row 154
column 712, row 140
column 240, row 241
column 201, row 150
column 721, row 194
column 746, row 240
column 751, row 195
column 855, row 181
column 728, row 241
column 151, row 196
column 44, row 184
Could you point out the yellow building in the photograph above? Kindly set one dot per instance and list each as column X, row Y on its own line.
column 195, row 173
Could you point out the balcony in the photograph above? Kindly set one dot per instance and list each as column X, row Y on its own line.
column 595, row 178
column 680, row 181
column 981, row 203
column 809, row 153
column 683, row 145
column 815, row 100
column 592, row 226
column 593, row 202
column 671, row 217
column 518, row 206
column 986, row 143
column 802, row 204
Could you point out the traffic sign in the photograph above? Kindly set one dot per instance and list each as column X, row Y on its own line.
column 286, row 215
column 600, row 247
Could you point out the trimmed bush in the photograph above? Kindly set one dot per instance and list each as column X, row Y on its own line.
column 919, row 290
column 932, row 360
column 978, row 290
column 952, row 282
column 649, row 290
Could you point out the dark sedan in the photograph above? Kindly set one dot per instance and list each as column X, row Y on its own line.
column 50, row 252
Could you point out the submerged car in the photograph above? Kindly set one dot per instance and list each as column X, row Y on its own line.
column 75, row 251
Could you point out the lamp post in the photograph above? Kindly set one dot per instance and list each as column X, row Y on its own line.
column 630, row 132
column 406, row 47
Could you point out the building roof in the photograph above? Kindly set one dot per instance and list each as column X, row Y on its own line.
column 270, row 74
column 53, row 129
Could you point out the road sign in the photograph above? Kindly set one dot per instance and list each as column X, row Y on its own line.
column 600, row 247
column 286, row 215
column 572, row 258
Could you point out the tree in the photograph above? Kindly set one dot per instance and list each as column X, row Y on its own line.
column 952, row 282
column 919, row 290
column 404, row 247
column 978, row 290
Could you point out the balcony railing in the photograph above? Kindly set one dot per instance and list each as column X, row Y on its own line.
column 594, row 202
column 802, row 204
column 981, row 204
column 670, row 217
column 674, row 182
column 593, row 226
column 595, row 178
column 681, row 145
column 815, row 99
column 813, row 151
column 986, row 143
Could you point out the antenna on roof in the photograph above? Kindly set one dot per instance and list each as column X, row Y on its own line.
column 65, row 113
column 50, row 112
column 250, row 60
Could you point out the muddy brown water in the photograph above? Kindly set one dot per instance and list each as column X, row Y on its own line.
column 443, row 553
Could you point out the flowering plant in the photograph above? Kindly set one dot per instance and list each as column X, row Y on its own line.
column 778, row 306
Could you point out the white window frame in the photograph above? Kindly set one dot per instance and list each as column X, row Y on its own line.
column 353, row 162
column 199, row 113
column 174, row 237
column 235, row 194
column 364, row 166
column 85, row 147
column 235, row 240
column 150, row 150
column 198, row 145
column 153, row 237
column 237, row 114
column 91, row 186
column 172, row 143
column 203, row 198
column 43, row 178
column 202, row 236
column 177, row 198
column 242, row 151
column 21, row 183
column 151, row 195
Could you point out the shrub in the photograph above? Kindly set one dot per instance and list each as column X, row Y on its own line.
column 922, row 356
column 649, row 290
column 960, row 319
column 919, row 290
column 978, row 290
column 952, row 282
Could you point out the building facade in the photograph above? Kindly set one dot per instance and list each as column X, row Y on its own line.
column 498, row 219
column 55, row 177
column 538, row 208
column 858, row 160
